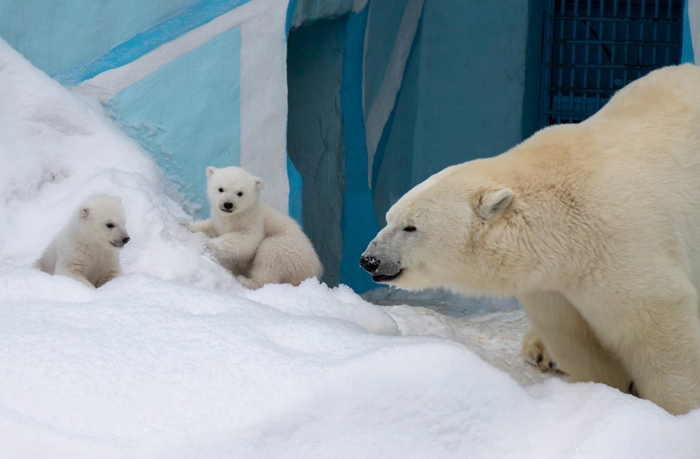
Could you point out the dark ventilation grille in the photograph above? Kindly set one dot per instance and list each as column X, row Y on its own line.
column 593, row 48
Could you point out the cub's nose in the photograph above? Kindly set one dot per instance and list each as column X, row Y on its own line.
column 228, row 205
column 126, row 239
column 370, row 264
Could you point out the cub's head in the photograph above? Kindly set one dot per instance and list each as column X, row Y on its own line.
column 232, row 190
column 102, row 221
column 431, row 232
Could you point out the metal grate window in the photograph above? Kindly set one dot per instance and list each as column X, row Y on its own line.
column 592, row 48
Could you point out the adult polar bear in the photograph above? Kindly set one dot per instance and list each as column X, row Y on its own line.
column 595, row 227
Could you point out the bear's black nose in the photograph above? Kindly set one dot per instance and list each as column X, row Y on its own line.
column 228, row 205
column 126, row 239
column 370, row 264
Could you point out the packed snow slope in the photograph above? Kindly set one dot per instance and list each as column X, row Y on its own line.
column 175, row 360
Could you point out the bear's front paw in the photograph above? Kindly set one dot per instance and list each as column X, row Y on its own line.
column 248, row 283
column 536, row 354
column 211, row 246
column 184, row 223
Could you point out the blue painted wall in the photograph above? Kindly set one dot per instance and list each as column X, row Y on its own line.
column 393, row 163
column 462, row 96
column 187, row 114
column 58, row 35
column 472, row 77
column 381, row 36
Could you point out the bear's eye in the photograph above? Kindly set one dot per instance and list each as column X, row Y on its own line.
column 221, row 190
column 240, row 193
column 409, row 229
column 110, row 225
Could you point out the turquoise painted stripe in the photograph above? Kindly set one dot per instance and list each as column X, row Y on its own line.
column 296, row 192
column 296, row 181
column 359, row 224
column 687, row 54
column 290, row 15
column 143, row 43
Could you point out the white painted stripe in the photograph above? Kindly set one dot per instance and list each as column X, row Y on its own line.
column 694, row 19
column 263, row 86
column 364, row 61
column 393, row 78
column 264, row 102
column 359, row 5
column 105, row 85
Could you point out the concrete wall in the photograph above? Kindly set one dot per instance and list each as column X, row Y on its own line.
column 315, row 134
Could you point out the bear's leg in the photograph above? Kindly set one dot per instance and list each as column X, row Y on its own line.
column 658, row 341
column 201, row 226
column 571, row 341
column 112, row 274
column 277, row 261
column 535, row 353
column 62, row 270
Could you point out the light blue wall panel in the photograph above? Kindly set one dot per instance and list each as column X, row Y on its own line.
column 187, row 113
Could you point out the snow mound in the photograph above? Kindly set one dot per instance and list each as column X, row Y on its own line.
column 56, row 150
column 175, row 360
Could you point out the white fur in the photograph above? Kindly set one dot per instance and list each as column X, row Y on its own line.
column 86, row 249
column 257, row 243
column 594, row 227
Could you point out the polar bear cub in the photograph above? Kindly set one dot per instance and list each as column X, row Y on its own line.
column 87, row 248
column 258, row 244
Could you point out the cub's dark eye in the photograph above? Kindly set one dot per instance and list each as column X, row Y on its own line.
column 240, row 193
column 409, row 229
column 221, row 190
column 110, row 225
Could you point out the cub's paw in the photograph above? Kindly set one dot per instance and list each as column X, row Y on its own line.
column 212, row 246
column 248, row 283
column 184, row 223
column 633, row 390
column 536, row 354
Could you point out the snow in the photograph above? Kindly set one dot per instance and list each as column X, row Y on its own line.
column 175, row 360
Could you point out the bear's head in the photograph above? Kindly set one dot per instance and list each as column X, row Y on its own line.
column 102, row 221
column 436, row 234
column 232, row 190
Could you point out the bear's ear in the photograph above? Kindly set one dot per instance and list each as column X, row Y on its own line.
column 259, row 184
column 210, row 171
column 493, row 203
column 84, row 212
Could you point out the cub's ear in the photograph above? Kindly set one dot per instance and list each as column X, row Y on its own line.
column 259, row 184
column 493, row 203
column 210, row 171
column 84, row 212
